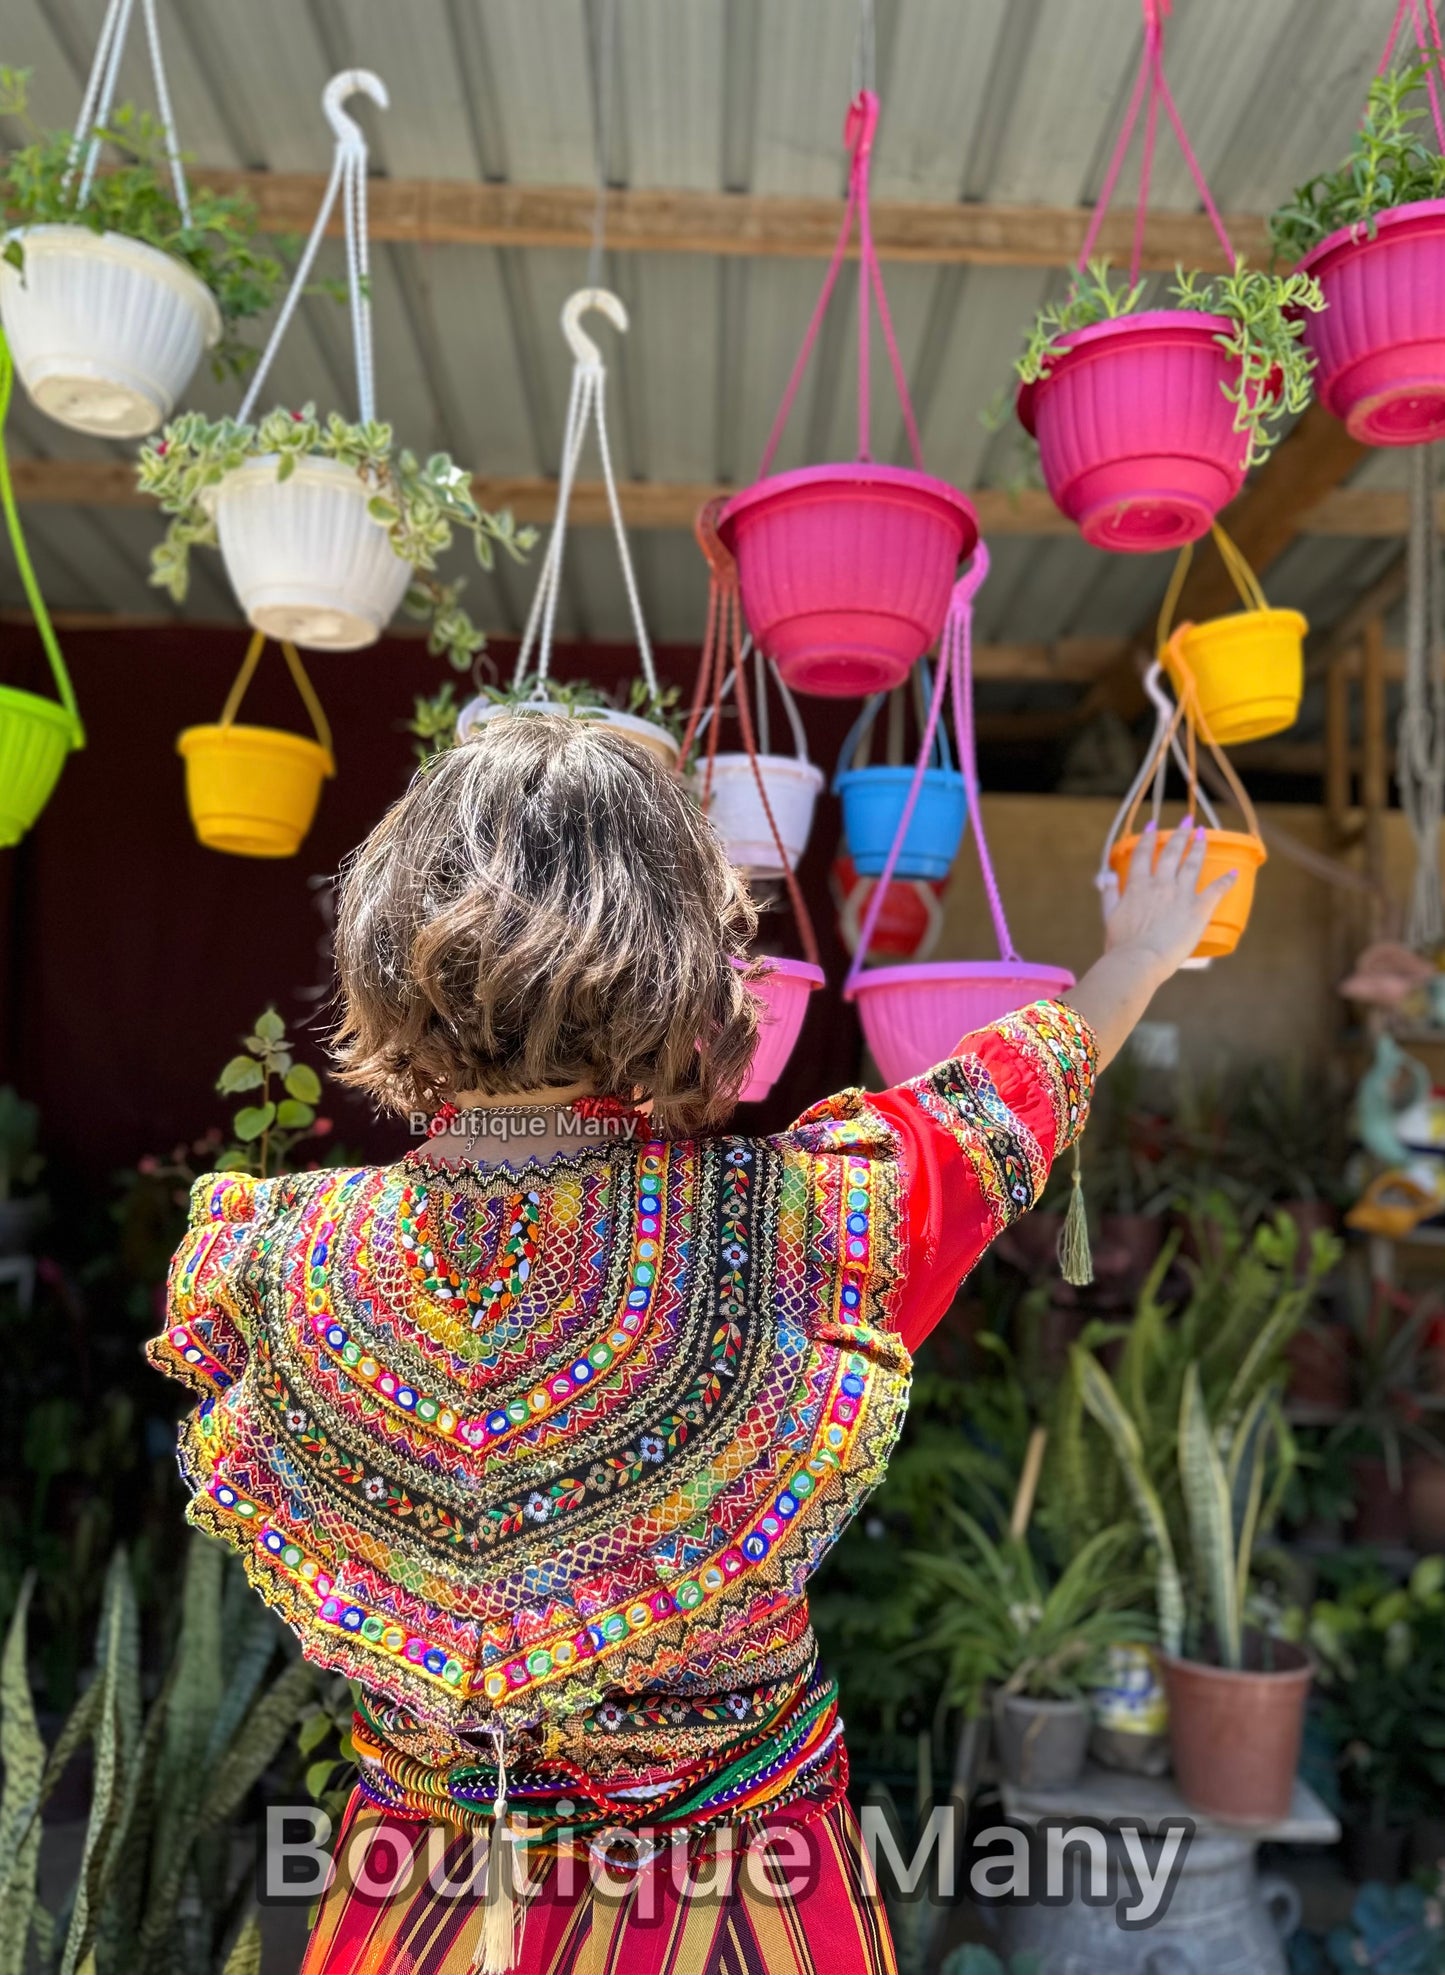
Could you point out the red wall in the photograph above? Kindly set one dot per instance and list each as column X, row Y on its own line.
column 134, row 959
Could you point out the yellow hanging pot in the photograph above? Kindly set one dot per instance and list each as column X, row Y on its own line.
column 1247, row 668
column 253, row 791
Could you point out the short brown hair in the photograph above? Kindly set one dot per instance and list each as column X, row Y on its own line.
column 545, row 905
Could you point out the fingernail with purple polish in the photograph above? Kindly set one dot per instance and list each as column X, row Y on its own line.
column 1187, row 824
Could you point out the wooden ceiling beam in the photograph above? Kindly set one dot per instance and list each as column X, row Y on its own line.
column 1363, row 513
column 462, row 212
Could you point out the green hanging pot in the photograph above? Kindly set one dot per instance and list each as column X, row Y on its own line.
column 36, row 733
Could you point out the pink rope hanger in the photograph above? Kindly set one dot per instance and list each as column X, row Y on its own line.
column 858, row 129
column 1150, row 82
column 1422, row 19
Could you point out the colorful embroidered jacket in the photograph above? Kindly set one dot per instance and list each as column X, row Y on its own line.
column 554, row 1451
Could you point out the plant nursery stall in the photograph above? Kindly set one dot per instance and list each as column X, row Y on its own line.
column 949, row 435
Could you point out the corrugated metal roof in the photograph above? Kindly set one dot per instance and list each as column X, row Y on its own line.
column 1004, row 100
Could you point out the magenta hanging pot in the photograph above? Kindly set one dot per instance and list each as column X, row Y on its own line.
column 846, row 569
column 1136, row 437
column 915, row 1016
column 1379, row 343
column 781, row 988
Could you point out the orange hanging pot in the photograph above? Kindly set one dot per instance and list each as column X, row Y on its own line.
column 1247, row 667
column 1240, row 851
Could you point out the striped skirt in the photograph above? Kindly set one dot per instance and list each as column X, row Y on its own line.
column 793, row 1898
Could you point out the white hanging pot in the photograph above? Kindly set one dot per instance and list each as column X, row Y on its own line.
column 306, row 559
column 735, row 809
column 657, row 740
column 106, row 332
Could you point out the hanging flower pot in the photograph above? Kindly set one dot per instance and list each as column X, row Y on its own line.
column 36, row 733
column 1147, row 421
column 909, row 920
column 782, row 988
column 1136, row 437
column 306, row 559
column 1242, row 852
column 1380, row 342
column 657, row 740
column 106, row 331
column 1246, row 671
column 322, row 525
column 873, row 800
column 253, row 791
column 914, row 1016
column 115, row 283
column 846, row 569
column 761, row 804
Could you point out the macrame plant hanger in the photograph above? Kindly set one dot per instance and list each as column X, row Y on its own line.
column 724, row 665
column 1150, row 83
column 1420, row 740
column 348, row 179
column 99, row 100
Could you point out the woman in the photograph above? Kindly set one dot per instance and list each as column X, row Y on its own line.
column 538, row 1433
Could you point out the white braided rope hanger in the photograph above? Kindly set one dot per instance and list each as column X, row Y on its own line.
column 586, row 403
column 99, row 100
column 348, row 178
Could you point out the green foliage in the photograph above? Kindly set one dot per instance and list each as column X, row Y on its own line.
column 422, row 504
column 136, row 198
column 21, row 1163
column 1388, row 1371
column 1114, row 1441
column 433, row 721
column 1265, row 336
column 1379, row 1650
column 283, row 1116
column 162, row 1879
column 1003, row 1623
column 1392, row 162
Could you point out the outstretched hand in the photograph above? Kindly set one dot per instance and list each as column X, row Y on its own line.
column 1162, row 912
column 1151, row 927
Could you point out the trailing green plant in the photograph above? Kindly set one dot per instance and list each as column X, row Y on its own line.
column 21, row 1161
column 135, row 197
column 165, row 1878
column 422, row 504
column 1003, row 1621
column 1265, row 336
column 1390, row 162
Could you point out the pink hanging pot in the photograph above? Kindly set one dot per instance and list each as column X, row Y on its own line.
column 1136, row 437
column 781, row 987
column 846, row 569
column 914, row 1016
column 1379, row 343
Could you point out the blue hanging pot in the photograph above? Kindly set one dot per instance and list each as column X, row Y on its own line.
column 873, row 799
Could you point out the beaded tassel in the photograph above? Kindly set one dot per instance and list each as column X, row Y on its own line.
column 497, row 1950
column 1076, row 1260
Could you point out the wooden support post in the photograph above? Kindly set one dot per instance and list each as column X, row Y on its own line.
column 1374, row 766
column 1337, row 753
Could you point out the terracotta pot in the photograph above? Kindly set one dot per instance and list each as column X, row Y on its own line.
column 1040, row 1745
column 1425, row 1501
column 1235, row 1737
column 1319, row 1367
column 1381, row 1513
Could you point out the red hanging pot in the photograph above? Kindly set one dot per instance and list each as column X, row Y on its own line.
column 846, row 569
column 1136, row 437
column 914, row 1016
